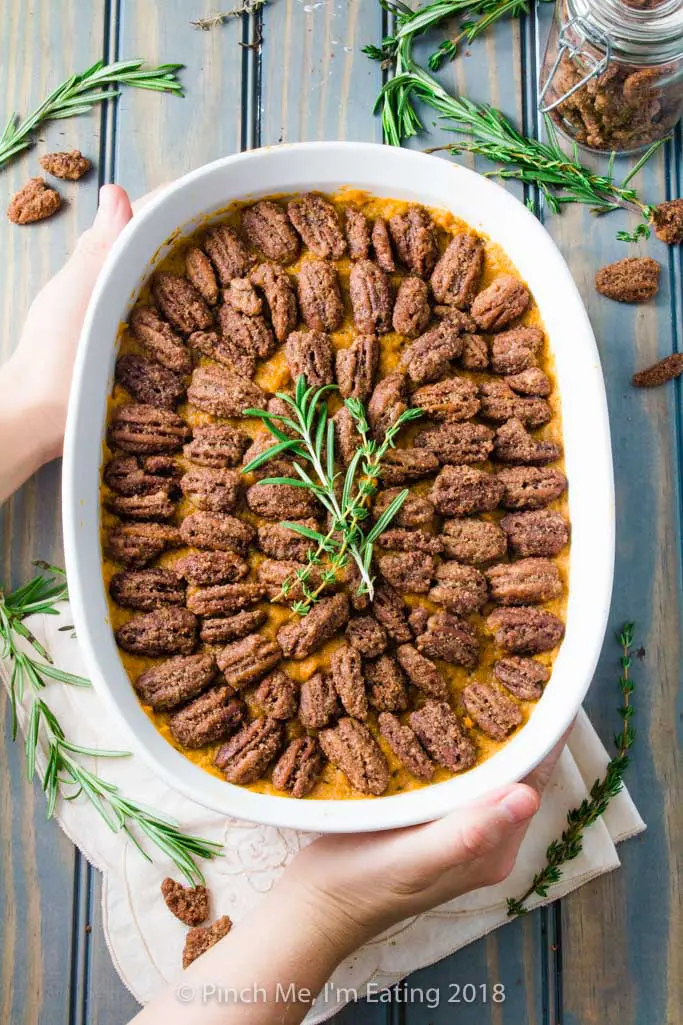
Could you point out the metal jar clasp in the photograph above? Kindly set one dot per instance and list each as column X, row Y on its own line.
column 566, row 46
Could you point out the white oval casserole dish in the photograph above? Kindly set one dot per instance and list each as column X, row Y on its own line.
column 383, row 171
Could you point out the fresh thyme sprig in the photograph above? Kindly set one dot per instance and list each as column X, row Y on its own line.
column 246, row 7
column 80, row 93
column 65, row 775
column 314, row 443
column 570, row 844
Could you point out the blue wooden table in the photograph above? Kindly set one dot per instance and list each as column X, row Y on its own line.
column 611, row 953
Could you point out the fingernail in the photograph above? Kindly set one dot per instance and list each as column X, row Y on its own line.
column 108, row 200
column 519, row 805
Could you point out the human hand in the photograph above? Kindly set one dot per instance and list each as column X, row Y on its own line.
column 360, row 885
column 38, row 374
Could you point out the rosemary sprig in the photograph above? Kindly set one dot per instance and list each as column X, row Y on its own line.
column 65, row 775
column 570, row 844
column 80, row 93
column 314, row 443
column 246, row 7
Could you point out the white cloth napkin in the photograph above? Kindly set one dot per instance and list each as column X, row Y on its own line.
column 145, row 941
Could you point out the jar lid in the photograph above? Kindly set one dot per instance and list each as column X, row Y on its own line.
column 639, row 32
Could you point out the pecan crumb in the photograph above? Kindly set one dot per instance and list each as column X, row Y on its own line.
column 190, row 904
column 199, row 940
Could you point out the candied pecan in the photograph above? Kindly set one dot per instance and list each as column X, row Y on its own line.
column 250, row 335
column 34, row 202
column 381, row 244
column 266, row 226
column 352, row 748
column 516, row 350
column 530, row 487
column 280, row 297
column 162, row 632
column 136, row 544
column 281, row 501
column 387, row 684
column 530, row 382
column 389, row 610
column 211, row 568
column 154, row 506
column 216, row 445
column 224, row 350
column 357, row 366
column 316, row 221
column 246, row 756
column 278, row 695
column 456, row 277
column 69, row 166
column 514, row 444
column 538, row 532
column 525, row 631
column 371, row 298
column 282, row 543
column 473, row 541
column 387, row 402
column 219, row 391
column 300, row 637
column 416, row 511
column 248, row 660
column 160, row 340
column 367, row 636
column 243, row 297
column 458, row 443
column 450, row 638
column 399, row 539
column 632, row 280
column 224, row 599
column 181, row 303
column 667, row 219
column 175, row 681
column 406, row 465
column 405, row 745
column 475, row 352
column 201, row 274
column 499, row 403
column 408, row 572
column 149, row 382
column 215, row 490
column 189, row 904
column 221, row 629
column 502, row 302
column 317, row 701
column 320, row 300
column 427, row 358
column 347, row 678
column 659, row 373
column 459, row 588
column 422, row 672
column 523, row 677
column 351, row 577
column 310, row 353
column 526, row 582
column 298, row 768
column 443, row 735
column 357, row 229
column 494, row 713
column 414, row 236
column 126, row 476
column 463, row 490
column 273, row 573
column 228, row 253
column 206, row 720
column 418, row 619
column 202, row 938
column 147, row 589
column 453, row 399
column 143, row 430
column 411, row 309
column 217, row 531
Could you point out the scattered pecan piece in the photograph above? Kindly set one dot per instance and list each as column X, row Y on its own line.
column 68, row 166
column 189, row 904
column 667, row 219
column 659, row 373
column 243, row 297
column 202, row 938
column 34, row 202
column 632, row 280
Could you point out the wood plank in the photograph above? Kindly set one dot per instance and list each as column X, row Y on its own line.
column 623, row 934
column 40, row 866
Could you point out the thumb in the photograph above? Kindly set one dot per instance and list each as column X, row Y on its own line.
column 113, row 214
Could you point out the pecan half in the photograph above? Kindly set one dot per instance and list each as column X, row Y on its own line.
column 371, row 298
column 248, row 660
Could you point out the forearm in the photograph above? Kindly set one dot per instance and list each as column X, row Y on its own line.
column 25, row 430
column 267, row 970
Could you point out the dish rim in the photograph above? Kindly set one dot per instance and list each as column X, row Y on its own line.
column 586, row 428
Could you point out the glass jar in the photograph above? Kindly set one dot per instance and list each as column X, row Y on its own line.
column 612, row 73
